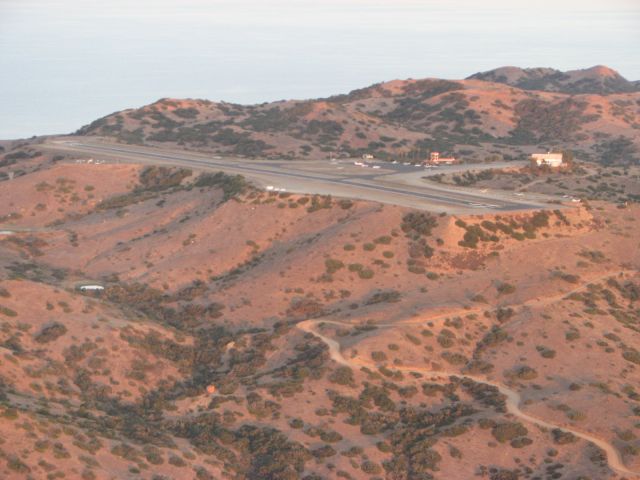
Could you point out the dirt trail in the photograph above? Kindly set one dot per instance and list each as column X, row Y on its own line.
column 513, row 398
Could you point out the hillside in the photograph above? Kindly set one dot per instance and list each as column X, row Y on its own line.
column 245, row 334
column 506, row 113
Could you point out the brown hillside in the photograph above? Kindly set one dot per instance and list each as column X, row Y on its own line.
column 497, row 113
column 245, row 334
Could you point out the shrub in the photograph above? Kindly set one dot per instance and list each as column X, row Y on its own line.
column 383, row 240
column 415, row 267
column 632, row 355
column 546, row 352
column 366, row 274
column 162, row 178
column 296, row 423
column 561, row 437
column 7, row 311
column 51, row 332
column 572, row 335
column 387, row 296
column 454, row 358
column 177, row 461
column 508, row 431
column 330, row 437
column 319, row 202
column 189, row 112
column 446, row 338
column 505, row 288
column 324, row 452
column 370, row 467
column 504, row 314
column 524, row 373
column 332, row 265
column 153, row 455
column 567, row 277
column 231, row 185
column 379, row 356
column 420, row 223
column 17, row 465
column 342, row 376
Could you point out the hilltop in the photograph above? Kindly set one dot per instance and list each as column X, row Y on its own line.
column 505, row 113
column 600, row 80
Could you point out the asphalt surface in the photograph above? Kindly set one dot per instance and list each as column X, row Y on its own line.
column 337, row 177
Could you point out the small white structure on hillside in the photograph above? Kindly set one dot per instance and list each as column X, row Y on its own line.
column 91, row 288
column 436, row 159
column 548, row 159
column 367, row 156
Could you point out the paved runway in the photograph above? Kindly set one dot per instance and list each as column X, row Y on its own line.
column 339, row 177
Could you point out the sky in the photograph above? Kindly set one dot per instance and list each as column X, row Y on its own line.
column 64, row 63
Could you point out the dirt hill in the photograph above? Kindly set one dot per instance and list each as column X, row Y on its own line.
column 249, row 335
column 599, row 80
column 504, row 113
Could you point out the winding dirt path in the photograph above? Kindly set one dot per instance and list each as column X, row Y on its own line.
column 513, row 398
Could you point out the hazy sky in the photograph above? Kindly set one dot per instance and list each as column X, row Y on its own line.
column 64, row 63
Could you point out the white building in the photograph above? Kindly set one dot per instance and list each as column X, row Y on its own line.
column 436, row 159
column 549, row 159
column 91, row 288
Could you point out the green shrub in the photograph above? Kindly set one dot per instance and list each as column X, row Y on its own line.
column 505, row 288
column 561, row 437
column 366, row 273
column 17, row 465
column 296, row 423
column 383, row 240
column 508, row 431
column 162, row 178
column 50, row 332
column 387, row 296
column 454, row 358
column 446, row 338
column 7, row 311
column 418, row 222
column 632, row 355
column 546, row 352
column 572, row 335
column 176, row 461
column 524, row 373
column 333, row 265
column 323, row 452
column 231, row 185
column 370, row 468
column 342, row 376
column 379, row 356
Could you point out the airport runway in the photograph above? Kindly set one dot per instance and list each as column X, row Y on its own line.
column 338, row 177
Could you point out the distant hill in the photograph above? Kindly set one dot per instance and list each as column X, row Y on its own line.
column 508, row 113
column 599, row 80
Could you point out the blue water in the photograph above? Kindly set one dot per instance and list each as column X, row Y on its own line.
column 64, row 63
